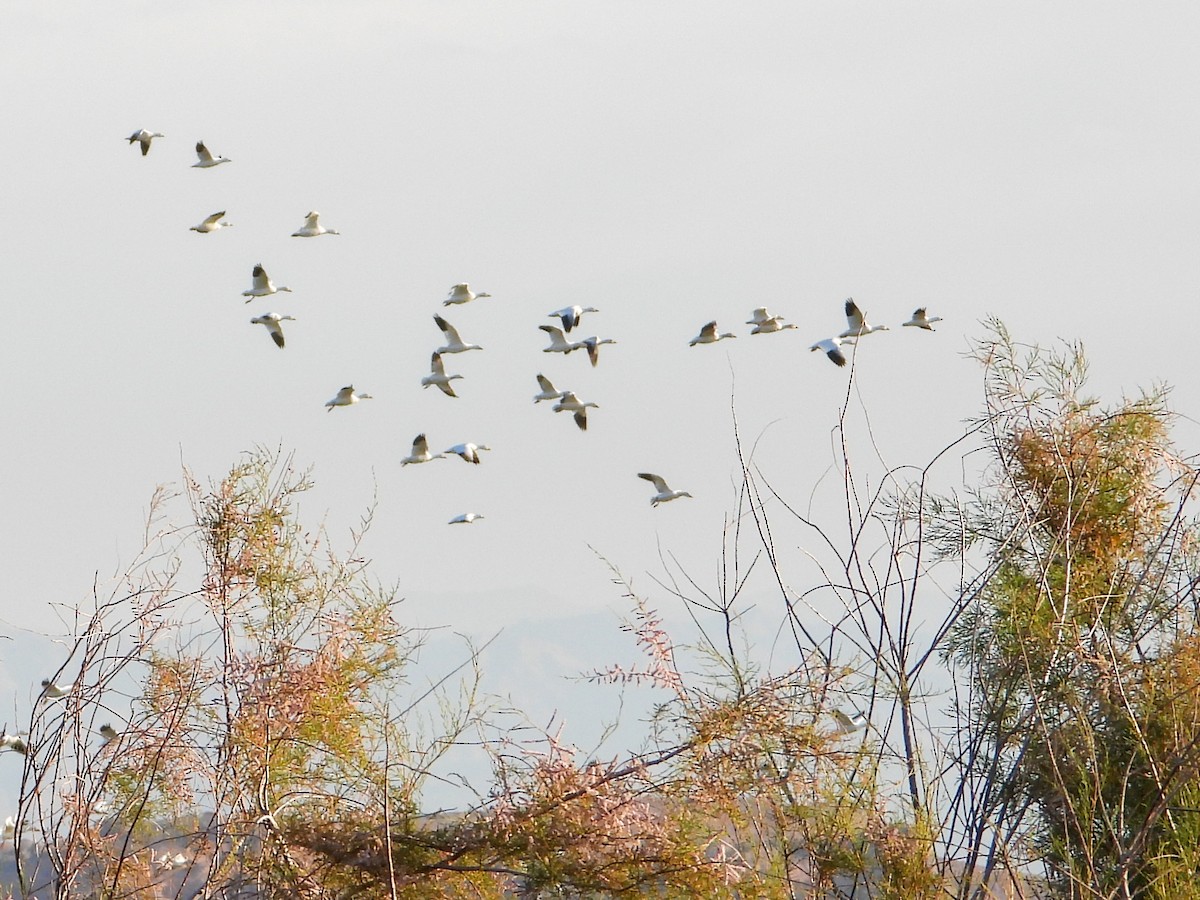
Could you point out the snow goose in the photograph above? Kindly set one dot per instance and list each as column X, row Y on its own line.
column 469, row 452
column 571, row 315
column 144, row 137
column 760, row 315
column 437, row 375
column 207, row 160
column 848, row 724
column 271, row 320
column 547, row 392
column 454, row 343
column 263, row 285
column 832, row 347
column 464, row 519
column 857, row 322
column 920, row 320
column 571, row 403
column 312, row 227
column 592, row 345
column 347, row 396
column 558, row 341
column 420, row 452
column 665, row 493
column 212, row 223
column 709, row 335
column 771, row 325
column 13, row 742
column 462, row 293
column 52, row 691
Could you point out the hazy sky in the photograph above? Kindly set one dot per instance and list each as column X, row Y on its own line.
column 668, row 163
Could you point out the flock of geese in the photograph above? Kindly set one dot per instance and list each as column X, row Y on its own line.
column 563, row 339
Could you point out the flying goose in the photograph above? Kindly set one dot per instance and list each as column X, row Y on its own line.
column 709, row 335
column 831, row 347
column 144, row 137
column 571, row 315
column 312, row 227
column 760, row 315
column 347, row 396
column 462, row 293
column 207, row 160
column 13, row 742
column 558, row 342
column 469, row 452
column 592, row 345
column 920, row 320
column 464, row 519
column 420, row 452
column 665, row 493
column 771, row 325
column 212, row 223
column 53, row 691
column 571, row 403
column 857, row 322
column 271, row 320
column 547, row 391
column 263, row 285
column 849, row 723
column 437, row 375
column 454, row 343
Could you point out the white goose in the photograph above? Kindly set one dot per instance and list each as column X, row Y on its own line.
column 469, row 452
column 760, row 315
column 271, row 320
column 665, row 494
column 420, row 453
column 547, row 392
column 52, row 691
column 462, row 293
column 571, row 315
column 771, row 325
column 454, row 343
column 558, row 341
column 207, row 160
column 857, row 322
column 847, row 724
column 437, row 376
column 347, row 396
column 263, row 285
column 13, row 742
column 709, row 335
column 464, row 519
column 312, row 227
column 571, row 403
column 920, row 320
column 212, row 223
column 832, row 347
column 144, row 137
column 592, row 345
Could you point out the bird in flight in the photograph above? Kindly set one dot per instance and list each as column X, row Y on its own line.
column 144, row 137
column 312, row 227
column 921, row 320
column 347, row 396
column 263, row 286
column 709, row 335
column 462, row 293
column 665, row 494
column 856, row 322
column 832, row 347
column 271, row 320
column 207, row 160
column 420, row 452
column 212, row 223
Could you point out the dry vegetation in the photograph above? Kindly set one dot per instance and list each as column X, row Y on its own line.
column 1034, row 719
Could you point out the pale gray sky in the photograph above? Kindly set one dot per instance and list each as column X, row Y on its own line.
column 667, row 163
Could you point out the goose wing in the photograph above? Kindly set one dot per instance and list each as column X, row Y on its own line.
column 436, row 366
column 420, row 446
column 854, row 316
column 448, row 330
column 545, row 385
column 659, row 484
column 202, row 152
column 213, row 219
